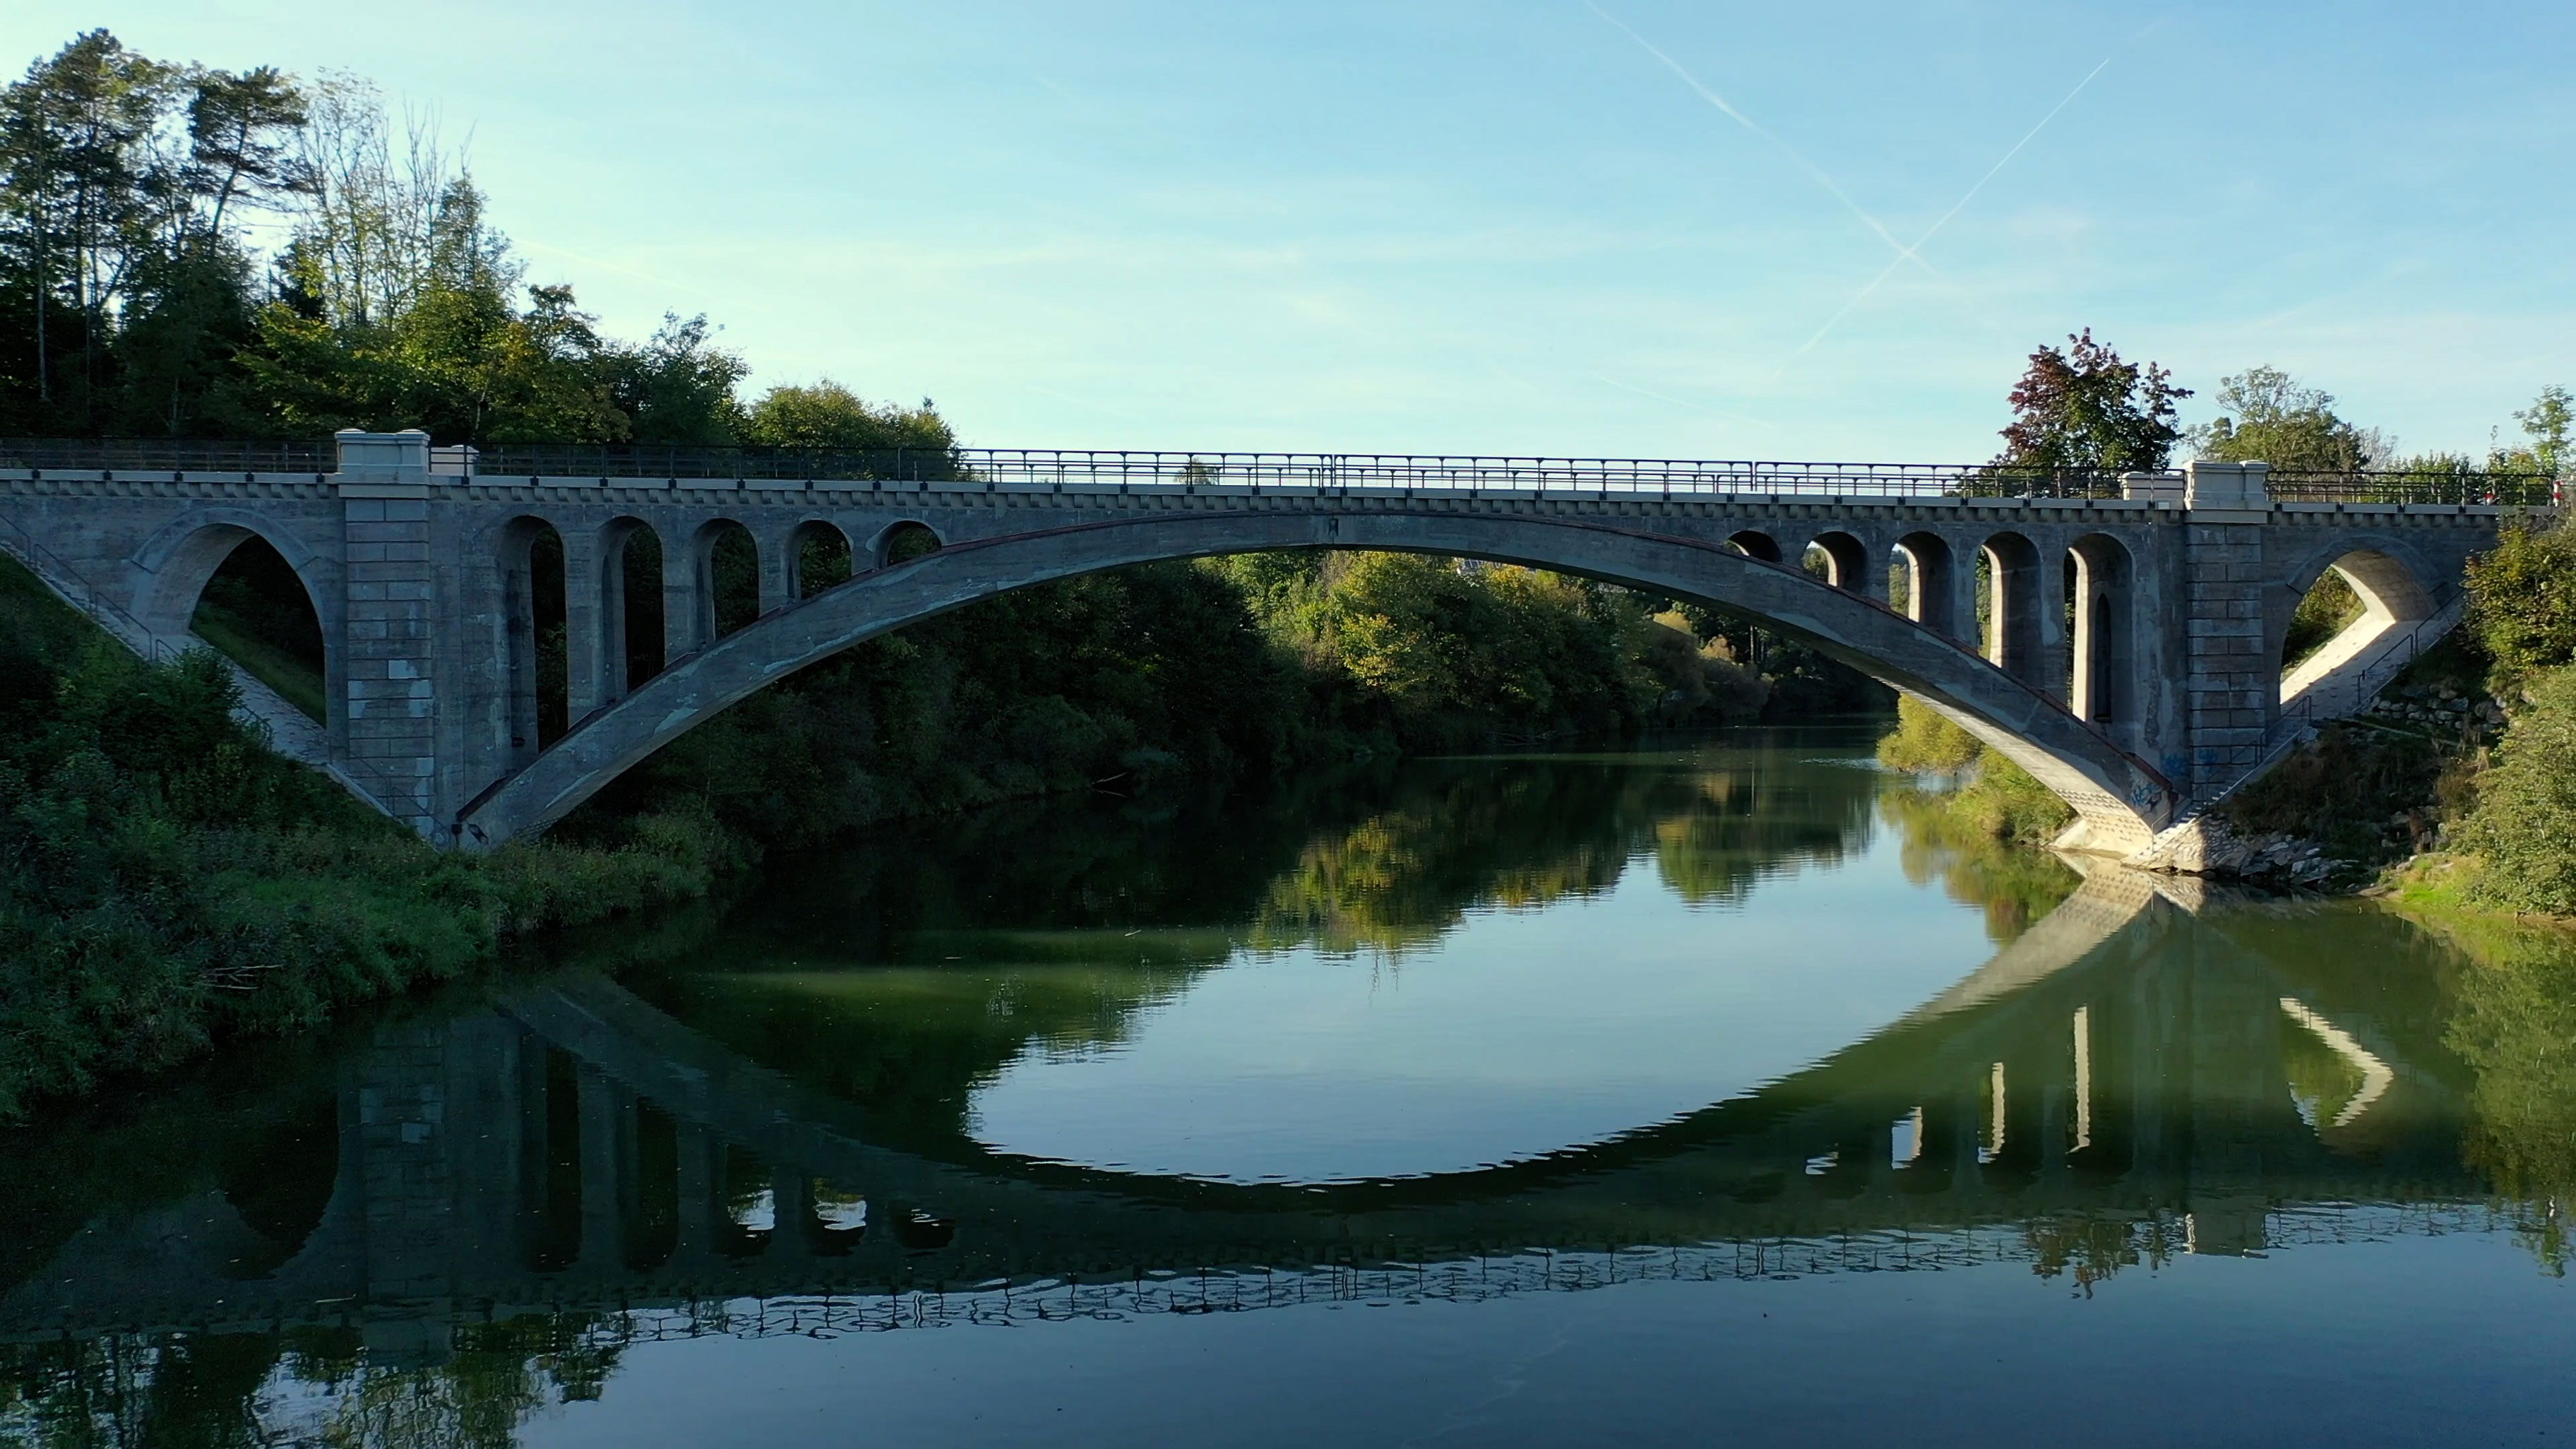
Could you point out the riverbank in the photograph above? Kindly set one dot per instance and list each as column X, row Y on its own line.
column 170, row 882
column 167, row 881
column 2450, row 792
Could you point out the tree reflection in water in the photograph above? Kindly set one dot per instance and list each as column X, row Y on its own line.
column 2185, row 1085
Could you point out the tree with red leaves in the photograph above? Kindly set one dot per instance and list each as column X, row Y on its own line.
column 2085, row 408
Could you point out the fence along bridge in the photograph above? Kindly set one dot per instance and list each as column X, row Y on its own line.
column 2118, row 636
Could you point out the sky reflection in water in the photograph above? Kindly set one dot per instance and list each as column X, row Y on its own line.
column 1765, row 1055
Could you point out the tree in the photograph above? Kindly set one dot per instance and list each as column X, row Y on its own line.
column 2548, row 422
column 241, row 130
column 2270, row 418
column 86, row 187
column 828, row 415
column 2085, row 408
column 678, row 387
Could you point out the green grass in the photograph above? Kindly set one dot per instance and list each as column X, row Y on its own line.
column 295, row 680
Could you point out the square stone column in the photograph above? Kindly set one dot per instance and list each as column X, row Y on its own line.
column 688, row 623
column 391, row 676
column 2231, row 688
column 585, row 625
column 2056, row 647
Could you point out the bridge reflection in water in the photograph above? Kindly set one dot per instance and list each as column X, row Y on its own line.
column 2124, row 1081
column 765, row 1119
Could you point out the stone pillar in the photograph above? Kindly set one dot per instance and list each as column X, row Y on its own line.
column 688, row 623
column 407, row 1177
column 2231, row 686
column 777, row 570
column 1962, row 587
column 791, row 1196
column 391, row 748
column 2055, row 645
column 585, row 625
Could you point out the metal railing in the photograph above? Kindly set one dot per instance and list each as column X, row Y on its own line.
column 1329, row 472
column 2485, row 487
column 64, row 581
column 168, row 455
column 2332, row 698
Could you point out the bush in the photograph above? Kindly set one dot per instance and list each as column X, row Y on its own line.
column 166, row 879
column 2523, row 602
column 2523, row 820
column 1925, row 742
column 2008, row 803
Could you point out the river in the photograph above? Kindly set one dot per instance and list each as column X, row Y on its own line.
column 1716, row 1091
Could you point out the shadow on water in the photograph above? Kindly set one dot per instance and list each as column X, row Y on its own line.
column 760, row 1118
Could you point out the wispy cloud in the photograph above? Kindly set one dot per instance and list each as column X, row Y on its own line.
column 1814, row 172
column 1960, row 205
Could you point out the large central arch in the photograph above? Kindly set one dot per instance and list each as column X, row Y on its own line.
column 2121, row 800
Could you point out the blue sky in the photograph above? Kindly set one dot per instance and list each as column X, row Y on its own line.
column 1509, row 226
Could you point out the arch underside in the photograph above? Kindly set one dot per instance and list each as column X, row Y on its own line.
column 2121, row 800
column 2394, row 604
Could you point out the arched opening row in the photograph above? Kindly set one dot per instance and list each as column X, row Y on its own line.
column 2066, row 626
column 587, row 626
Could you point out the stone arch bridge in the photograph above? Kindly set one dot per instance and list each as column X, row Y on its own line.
column 2119, row 637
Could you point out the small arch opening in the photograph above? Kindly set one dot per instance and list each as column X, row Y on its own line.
column 256, row 612
column 2009, row 607
column 533, row 580
column 905, row 542
column 818, row 557
column 1840, row 560
column 631, row 647
column 1923, row 584
column 1755, row 545
column 728, row 579
column 2103, row 677
column 2354, row 608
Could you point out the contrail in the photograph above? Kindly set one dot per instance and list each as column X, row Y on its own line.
column 1935, row 228
column 1814, row 172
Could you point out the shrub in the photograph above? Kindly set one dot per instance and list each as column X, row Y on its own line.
column 2008, row 803
column 1925, row 742
column 2523, row 820
column 2523, row 602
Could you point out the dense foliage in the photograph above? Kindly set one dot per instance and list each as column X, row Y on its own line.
column 2523, row 825
column 1433, row 655
column 2270, row 418
column 2000, row 801
column 134, row 301
column 2085, row 408
column 2523, row 602
column 164, row 877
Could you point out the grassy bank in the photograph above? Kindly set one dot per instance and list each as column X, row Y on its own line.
column 1997, row 801
column 166, row 880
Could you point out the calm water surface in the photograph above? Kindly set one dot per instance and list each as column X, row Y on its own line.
column 1707, row 1094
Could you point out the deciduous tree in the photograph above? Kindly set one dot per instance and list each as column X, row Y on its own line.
column 2269, row 418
